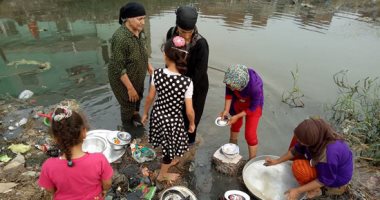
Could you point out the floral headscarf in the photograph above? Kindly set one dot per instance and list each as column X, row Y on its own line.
column 236, row 77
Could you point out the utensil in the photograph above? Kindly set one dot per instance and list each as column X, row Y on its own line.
column 230, row 150
column 94, row 144
column 236, row 195
column 125, row 136
column 219, row 121
column 116, row 142
column 178, row 193
column 268, row 182
column 111, row 154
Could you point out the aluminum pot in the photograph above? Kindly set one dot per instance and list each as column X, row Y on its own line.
column 116, row 143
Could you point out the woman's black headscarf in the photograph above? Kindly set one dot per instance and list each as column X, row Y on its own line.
column 131, row 10
column 186, row 17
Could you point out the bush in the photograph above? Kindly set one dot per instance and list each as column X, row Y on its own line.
column 357, row 113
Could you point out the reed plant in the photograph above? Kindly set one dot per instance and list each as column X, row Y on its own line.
column 294, row 96
column 357, row 113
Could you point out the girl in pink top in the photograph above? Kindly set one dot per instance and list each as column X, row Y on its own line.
column 74, row 175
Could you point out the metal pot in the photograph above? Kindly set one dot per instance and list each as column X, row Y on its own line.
column 117, row 143
column 94, row 144
column 178, row 193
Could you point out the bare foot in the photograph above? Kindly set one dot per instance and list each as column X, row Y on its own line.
column 314, row 193
column 174, row 162
column 168, row 177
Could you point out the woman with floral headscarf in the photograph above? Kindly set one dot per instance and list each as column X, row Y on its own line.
column 328, row 166
column 244, row 97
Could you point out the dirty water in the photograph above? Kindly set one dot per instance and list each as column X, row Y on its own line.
column 62, row 51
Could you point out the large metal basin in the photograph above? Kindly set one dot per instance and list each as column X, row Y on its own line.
column 268, row 182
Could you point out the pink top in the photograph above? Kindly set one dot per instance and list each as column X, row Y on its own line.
column 81, row 182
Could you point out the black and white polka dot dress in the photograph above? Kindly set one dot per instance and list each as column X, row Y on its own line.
column 166, row 119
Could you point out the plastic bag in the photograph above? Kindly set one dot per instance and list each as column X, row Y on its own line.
column 142, row 154
column 26, row 94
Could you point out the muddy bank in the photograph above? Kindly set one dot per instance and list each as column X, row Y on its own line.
column 19, row 175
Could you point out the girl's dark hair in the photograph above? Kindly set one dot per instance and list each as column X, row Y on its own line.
column 316, row 134
column 178, row 55
column 67, row 132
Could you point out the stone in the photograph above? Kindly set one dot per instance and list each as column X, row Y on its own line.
column 5, row 187
column 15, row 163
column 30, row 173
column 228, row 166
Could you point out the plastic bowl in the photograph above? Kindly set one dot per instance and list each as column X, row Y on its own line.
column 94, row 145
column 47, row 121
column 230, row 149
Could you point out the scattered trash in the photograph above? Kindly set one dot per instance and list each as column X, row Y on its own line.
column 142, row 154
column 41, row 65
column 5, row 158
column 11, row 128
column 146, row 175
column 141, row 186
column 43, row 147
column 19, row 148
column 26, row 94
column 21, row 122
column 148, row 192
column 51, row 151
column 54, row 152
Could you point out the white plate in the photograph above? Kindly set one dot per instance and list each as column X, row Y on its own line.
column 236, row 192
column 220, row 122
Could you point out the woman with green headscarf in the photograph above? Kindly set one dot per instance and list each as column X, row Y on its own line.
column 244, row 97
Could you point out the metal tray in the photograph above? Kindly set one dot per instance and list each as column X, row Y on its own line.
column 111, row 154
column 268, row 182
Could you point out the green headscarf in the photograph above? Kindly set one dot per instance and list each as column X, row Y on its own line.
column 236, row 77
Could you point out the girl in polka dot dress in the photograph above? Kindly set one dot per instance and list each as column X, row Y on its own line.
column 173, row 90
